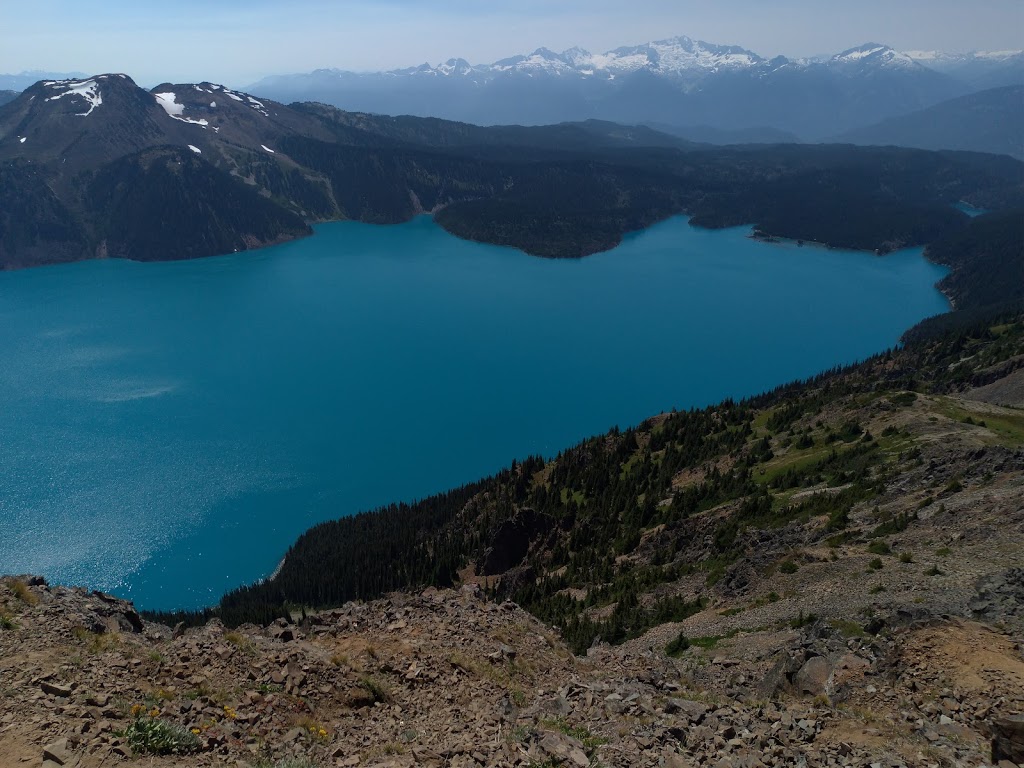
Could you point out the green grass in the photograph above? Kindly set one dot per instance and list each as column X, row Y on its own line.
column 847, row 628
column 577, row 496
column 287, row 762
column 711, row 641
column 796, row 459
column 1007, row 427
column 589, row 741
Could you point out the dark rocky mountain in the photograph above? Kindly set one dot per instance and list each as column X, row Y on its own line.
column 99, row 167
column 673, row 82
column 7, row 96
column 987, row 121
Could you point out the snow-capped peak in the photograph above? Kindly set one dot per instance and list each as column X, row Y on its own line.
column 875, row 53
column 455, row 67
column 928, row 57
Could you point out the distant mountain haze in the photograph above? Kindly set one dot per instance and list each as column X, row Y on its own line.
column 22, row 80
column 675, row 82
column 988, row 121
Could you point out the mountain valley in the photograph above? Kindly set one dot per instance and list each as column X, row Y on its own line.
column 290, row 465
column 100, row 168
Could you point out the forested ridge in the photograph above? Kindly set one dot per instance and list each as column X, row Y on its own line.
column 592, row 540
column 131, row 181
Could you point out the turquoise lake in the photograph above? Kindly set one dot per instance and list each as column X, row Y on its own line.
column 169, row 429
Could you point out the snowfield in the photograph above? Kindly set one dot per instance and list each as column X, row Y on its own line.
column 175, row 110
column 87, row 89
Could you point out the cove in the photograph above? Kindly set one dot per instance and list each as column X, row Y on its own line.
column 168, row 429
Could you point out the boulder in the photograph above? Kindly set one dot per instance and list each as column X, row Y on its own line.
column 813, row 677
column 1008, row 739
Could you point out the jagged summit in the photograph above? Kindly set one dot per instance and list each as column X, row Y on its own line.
column 679, row 81
column 673, row 56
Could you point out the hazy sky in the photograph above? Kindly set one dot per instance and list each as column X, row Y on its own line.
column 238, row 41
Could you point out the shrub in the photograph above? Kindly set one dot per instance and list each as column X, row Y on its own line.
column 23, row 593
column 879, row 548
column 788, row 566
column 287, row 762
column 150, row 735
column 803, row 620
column 906, row 557
column 677, row 646
column 378, row 691
column 876, row 564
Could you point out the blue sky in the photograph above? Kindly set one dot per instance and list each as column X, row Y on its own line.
column 239, row 41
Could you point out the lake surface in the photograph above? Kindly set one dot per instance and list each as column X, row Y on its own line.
column 168, row 429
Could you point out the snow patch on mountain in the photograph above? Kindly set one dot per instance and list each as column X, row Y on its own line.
column 86, row 89
column 169, row 103
column 168, row 100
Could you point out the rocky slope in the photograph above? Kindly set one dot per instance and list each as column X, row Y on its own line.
column 871, row 614
column 449, row 678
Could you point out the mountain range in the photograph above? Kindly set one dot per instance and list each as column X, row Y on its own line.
column 678, row 82
column 100, row 167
